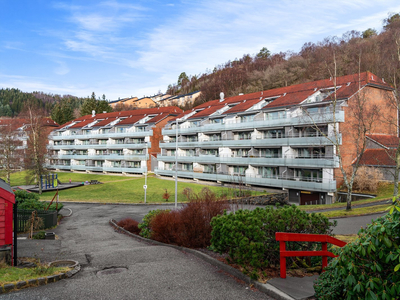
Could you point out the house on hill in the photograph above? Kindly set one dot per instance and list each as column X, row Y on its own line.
column 275, row 138
column 118, row 142
column 133, row 103
column 179, row 100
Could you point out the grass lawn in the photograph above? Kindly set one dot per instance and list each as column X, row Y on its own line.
column 385, row 191
column 10, row 274
column 121, row 189
column 356, row 211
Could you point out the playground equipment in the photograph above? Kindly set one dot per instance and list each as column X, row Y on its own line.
column 49, row 181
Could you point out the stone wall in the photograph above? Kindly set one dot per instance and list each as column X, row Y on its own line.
column 281, row 198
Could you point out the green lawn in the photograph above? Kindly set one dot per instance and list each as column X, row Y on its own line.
column 122, row 189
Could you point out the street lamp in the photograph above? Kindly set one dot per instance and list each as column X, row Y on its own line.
column 176, row 164
column 145, row 174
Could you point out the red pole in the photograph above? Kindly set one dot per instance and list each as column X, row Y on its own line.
column 282, row 245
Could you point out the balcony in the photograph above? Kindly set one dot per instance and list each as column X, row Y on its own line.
column 320, row 118
column 113, row 135
column 291, row 183
column 287, row 141
column 292, row 161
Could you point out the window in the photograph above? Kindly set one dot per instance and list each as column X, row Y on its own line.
column 189, row 152
column 274, row 134
column 309, row 174
column 268, row 172
column 209, row 169
column 210, row 152
column 187, row 167
column 271, row 152
column 241, row 152
column 248, row 118
column 239, row 170
column 244, row 135
column 215, row 137
column 138, row 151
column 217, row 121
column 275, row 115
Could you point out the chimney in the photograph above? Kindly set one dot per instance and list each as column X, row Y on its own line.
column 93, row 113
column 241, row 94
column 221, row 97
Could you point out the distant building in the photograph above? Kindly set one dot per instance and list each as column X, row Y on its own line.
column 113, row 142
column 381, row 153
column 270, row 138
column 133, row 103
column 179, row 100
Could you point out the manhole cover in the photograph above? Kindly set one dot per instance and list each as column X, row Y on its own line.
column 110, row 271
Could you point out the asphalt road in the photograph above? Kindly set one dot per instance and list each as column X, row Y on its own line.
column 148, row 272
column 353, row 225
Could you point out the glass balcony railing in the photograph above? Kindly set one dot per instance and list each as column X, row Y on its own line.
column 282, row 182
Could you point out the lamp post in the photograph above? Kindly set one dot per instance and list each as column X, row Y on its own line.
column 145, row 174
column 176, row 164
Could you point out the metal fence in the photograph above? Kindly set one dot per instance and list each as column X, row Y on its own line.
column 49, row 218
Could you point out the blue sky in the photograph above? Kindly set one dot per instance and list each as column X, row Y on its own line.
column 136, row 48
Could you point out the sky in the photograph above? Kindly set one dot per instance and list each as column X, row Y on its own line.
column 130, row 48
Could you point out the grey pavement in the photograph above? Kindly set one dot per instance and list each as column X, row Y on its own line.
column 144, row 271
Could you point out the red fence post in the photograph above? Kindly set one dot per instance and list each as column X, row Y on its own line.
column 324, row 258
column 282, row 245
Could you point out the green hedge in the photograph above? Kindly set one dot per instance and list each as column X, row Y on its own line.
column 249, row 236
column 26, row 200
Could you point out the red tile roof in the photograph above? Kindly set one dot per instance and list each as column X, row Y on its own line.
column 389, row 141
column 378, row 157
column 81, row 123
column 130, row 120
column 295, row 94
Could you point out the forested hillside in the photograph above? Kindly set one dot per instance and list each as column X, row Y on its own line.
column 354, row 52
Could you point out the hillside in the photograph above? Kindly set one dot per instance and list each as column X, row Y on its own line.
column 353, row 52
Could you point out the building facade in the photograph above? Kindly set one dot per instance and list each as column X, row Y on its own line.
column 279, row 138
column 117, row 142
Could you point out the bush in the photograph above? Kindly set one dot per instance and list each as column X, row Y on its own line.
column 367, row 268
column 130, row 225
column 249, row 236
column 30, row 201
column 367, row 179
column 190, row 226
column 145, row 226
column 41, row 235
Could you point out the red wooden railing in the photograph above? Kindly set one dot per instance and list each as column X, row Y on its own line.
column 284, row 237
column 56, row 195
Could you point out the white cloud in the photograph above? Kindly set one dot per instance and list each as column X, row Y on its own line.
column 62, row 68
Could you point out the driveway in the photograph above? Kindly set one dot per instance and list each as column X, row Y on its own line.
column 131, row 269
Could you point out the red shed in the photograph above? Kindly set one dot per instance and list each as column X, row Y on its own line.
column 7, row 199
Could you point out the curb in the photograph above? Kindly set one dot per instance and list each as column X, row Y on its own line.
column 263, row 287
column 369, row 214
column 39, row 281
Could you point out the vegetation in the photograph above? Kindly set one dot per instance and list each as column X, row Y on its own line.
column 369, row 267
column 30, row 201
column 130, row 225
column 145, row 226
column 266, row 70
column 249, row 236
column 189, row 226
column 13, row 275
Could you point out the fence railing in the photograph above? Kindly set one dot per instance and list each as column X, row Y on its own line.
column 23, row 215
column 324, row 239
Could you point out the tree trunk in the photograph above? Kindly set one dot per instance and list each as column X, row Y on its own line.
column 348, row 207
column 396, row 173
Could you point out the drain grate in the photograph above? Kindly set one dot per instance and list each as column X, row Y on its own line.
column 111, row 270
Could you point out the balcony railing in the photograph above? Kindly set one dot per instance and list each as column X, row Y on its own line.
column 281, row 182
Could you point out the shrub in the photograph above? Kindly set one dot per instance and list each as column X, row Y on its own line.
column 367, row 179
column 41, row 235
column 145, row 225
column 130, row 225
column 30, row 201
column 367, row 268
column 191, row 225
column 166, row 195
column 249, row 236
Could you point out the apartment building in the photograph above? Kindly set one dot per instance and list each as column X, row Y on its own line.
column 279, row 138
column 117, row 142
column 179, row 100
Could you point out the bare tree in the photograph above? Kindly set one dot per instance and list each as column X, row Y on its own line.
column 37, row 141
column 10, row 155
column 362, row 115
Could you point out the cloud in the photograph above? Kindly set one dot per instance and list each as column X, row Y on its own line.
column 62, row 68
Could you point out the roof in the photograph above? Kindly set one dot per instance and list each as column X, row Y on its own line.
column 388, row 141
column 284, row 97
column 17, row 123
column 378, row 157
column 130, row 116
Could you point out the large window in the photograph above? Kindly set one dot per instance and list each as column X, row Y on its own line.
column 311, row 152
column 309, row 174
column 271, row 152
column 275, row 115
column 246, row 135
column 187, row 167
column 274, row 134
column 268, row 172
column 247, row 118
column 209, row 169
column 241, row 152
column 239, row 170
